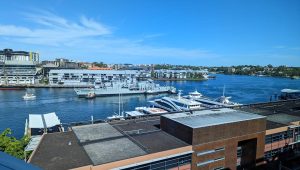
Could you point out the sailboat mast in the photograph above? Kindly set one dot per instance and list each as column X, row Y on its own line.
column 119, row 104
column 122, row 106
column 224, row 90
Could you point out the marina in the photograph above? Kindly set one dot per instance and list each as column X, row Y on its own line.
column 69, row 108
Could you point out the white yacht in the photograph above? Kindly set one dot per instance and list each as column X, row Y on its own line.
column 150, row 110
column 194, row 95
column 225, row 100
column 176, row 104
column 119, row 115
column 29, row 96
column 141, row 111
column 287, row 94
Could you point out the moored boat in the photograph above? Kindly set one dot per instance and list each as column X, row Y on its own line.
column 288, row 94
column 90, row 95
column 123, row 88
column 176, row 104
column 194, row 95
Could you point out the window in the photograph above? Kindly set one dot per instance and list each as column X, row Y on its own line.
column 239, row 152
column 210, row 151
column 219, row 149
column 205, row 152
column 219, row 159
column 210, row 161
column 204, row 163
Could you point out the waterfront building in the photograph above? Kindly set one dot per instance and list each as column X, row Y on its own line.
column 90, row 77
column 207, row 139
column 178, row 74
column 99, row 68
column 59, row 63
column 18, row 67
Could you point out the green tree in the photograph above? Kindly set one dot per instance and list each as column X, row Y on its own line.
column 11, row 145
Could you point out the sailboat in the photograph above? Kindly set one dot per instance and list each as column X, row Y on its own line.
column 225, row 100
column 119, row 115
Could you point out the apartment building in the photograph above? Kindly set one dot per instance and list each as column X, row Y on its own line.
column 18, row 67
column 89, row 77
column 178, row 74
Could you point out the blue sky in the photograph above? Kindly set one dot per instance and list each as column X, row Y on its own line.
column 194, row 32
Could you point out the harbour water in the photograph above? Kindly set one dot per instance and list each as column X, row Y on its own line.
column 69, row 108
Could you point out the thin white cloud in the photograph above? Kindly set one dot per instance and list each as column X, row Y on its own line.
column 53, row 29
column 89, row 35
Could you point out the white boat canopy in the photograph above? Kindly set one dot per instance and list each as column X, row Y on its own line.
column 43, row 120
column 290, row 91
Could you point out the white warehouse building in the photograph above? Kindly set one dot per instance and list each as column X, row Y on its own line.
column 77, row 77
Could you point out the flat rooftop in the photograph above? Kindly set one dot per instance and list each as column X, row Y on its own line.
column 279, row 114
column 148, row 135
column 96, row 144
column 103, row 143
column 205, row 118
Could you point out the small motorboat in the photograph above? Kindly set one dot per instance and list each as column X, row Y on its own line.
column 90, row 95
column 29, row 96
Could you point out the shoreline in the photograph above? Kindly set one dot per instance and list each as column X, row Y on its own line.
column 166, row 79
column 283, row 77
column 16, row 86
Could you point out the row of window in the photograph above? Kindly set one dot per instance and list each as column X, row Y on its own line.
column 278, row 136
column 275, row 152
column 165, row 164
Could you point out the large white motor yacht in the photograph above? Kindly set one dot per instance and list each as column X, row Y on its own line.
column 176, row 104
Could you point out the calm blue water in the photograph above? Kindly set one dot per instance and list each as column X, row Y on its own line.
column 69, row 108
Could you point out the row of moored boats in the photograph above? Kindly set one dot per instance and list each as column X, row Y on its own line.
column 193, row 101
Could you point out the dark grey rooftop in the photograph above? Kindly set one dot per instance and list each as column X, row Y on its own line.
column 158, row 141
column 146, row 133
column 60, row 151
column 283, row 118
column 94, row 132
column 273, row 125
column 206, row 118
column 112, row 150
column 103, row 143
column 279, row 114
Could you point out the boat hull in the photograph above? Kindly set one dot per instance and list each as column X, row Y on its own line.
column 115, row 92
